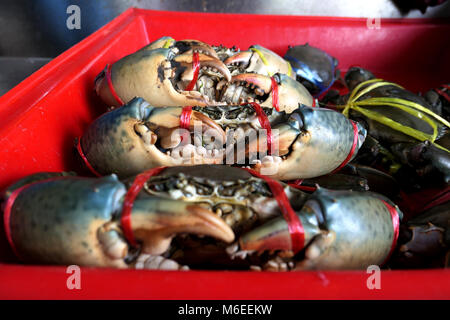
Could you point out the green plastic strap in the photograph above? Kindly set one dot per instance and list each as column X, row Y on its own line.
column 168, row 43
column 419, row 135
column 415, row 106
column 413, row 112
column 290, row 69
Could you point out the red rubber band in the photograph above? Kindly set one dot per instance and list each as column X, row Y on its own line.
column 185, row 117
column 265, row 124
column 186, row 113
column 352, row 150
column 441, row 198
column 294, row 224
column 442, row 93
column 196, row 68
column 275, row 102
column 128, row 202
column 297, row 184
column 396, row 225
column 85, row 160
column 110, row 85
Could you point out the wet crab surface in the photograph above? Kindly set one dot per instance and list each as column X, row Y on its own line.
column 162, row 71
column 308, row 142
column 200, row 217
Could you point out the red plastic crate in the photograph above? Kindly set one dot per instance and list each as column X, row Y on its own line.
column 40, row 118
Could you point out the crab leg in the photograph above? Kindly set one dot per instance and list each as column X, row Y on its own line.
column 196, row 46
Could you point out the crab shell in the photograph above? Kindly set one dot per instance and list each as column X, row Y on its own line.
column 343, row 230
column 313, row 67
column 74, row 220
column 262, row 61
column 119, row 142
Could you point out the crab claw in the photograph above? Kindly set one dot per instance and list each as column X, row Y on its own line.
column 241, row 59
column 274, row 234
column 283, row 136
column 260, row 60
column 256, row 81
column 156, row 221
column 138, row 136
column 166, row 122
column 325, row 141
column 342, row 230
column 149, row 74
column 191, row 46
column 290, row 92
column 182, row 46
column 206, row 61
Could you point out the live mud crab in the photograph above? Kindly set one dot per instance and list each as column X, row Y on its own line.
column 204, row 216
column 162, row 73
column 403, row 129
column 307, row 142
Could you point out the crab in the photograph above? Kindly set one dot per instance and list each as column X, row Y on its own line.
column 260, row 60
column 439, row 100
column 313, row 68
column 308, row 142
column 162, row 73
column 223, row 215
column 355, row 177
column 401, row 126
column 424, row 240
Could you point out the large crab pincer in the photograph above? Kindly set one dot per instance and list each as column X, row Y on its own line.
column 341, row 230
column 258, row 59
column 74, row 220
column 308, row 142
column 160, row 75
column 167, row 217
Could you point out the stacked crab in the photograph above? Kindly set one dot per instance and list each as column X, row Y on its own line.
column 212, row 157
